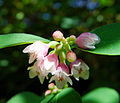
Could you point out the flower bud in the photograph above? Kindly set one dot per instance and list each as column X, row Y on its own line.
column 71, row 40
column 53, row 44
column 51, row 86
column 57, row 35
column 55, row 90
column 73, row 37
column 71, row 56
column 47, row 92
column 87, row 40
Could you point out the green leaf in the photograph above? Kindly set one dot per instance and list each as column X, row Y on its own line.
column 110, row 40
column 68, row 95
column 101, row 95
column 25, row 97
column 14, row 39
column 48, row 98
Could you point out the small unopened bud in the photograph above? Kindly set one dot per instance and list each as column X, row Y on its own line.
column 73, row 37
column 55, row 90
column 53, row 44
column 57, row 35
column 51, row 86
column 48, row 92
column 71, row 56
column 71, row 40
column 87, row 40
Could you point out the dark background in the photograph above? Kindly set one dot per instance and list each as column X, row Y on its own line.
column 42, row 18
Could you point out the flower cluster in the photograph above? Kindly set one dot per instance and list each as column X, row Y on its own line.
column 54, row 62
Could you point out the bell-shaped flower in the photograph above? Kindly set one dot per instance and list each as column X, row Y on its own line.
column 36, row 71
column 87, row 40
column 49, row 63
column 61, row 75
column 79, row 69
column 36, row 50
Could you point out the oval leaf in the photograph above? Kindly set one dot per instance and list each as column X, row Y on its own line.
column 101, row 95
column 14, row 39
column 110, row 40
column 68, row 95
column 47, row 99
column 25, row 97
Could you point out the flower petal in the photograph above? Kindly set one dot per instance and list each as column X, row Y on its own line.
column 32, row 73
column 64, row 67
column 41, row 78
column 84, row 74
column 69, row 80
column 60, row 84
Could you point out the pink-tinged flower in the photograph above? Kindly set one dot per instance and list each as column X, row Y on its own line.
column 61, row 75
column 79, row 69
column 49, row 63
column 57, row 35
column 44, row 67
column 87, row 40
column 71, row 56
column 36, row 71
column 36, row 50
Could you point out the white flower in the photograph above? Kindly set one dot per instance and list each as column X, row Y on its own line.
column 61, row 76
column 79, row 69
column 36, row 50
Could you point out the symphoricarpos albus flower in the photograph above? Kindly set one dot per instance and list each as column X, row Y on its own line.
column 61, row 76
column 42, row 69
column 79, row 69
column 36, row 50
column 57, row 35
column 87, row 40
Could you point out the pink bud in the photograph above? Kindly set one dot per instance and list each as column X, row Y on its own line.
column 72, row 37
column 57, row 35
column 48, row 92
column 71, row 56
column 87, row 40
column 55, row 90
column 51, row 86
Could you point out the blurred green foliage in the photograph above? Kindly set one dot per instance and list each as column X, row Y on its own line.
column 43, row 17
